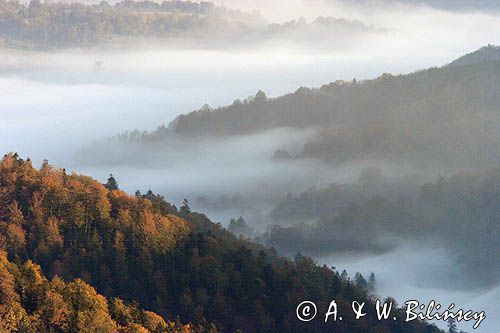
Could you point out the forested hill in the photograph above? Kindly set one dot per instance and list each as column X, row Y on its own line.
column 170, row 23
column 426, row 96
column 484, row 54
column 144, row 250
column 461, row 212
column 55, row 25
column 448, row 114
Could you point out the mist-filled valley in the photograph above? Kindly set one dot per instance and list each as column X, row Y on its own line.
column 364, row 135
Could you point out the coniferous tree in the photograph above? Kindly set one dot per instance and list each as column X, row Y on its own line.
column 371, row 283
column 360, row 282
column 452, row 325
column 111, row 184
column 185, row 209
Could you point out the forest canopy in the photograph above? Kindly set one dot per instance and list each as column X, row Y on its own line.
column 445, row 116
column 460, row 212
column 143, row 249
column 32, row 303
column 61, row 25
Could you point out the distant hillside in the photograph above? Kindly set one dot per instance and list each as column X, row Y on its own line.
column 484, row 54
column 199, row 24
column 316, row 203
column 448, row 115
column 173, row 261
column 319, row 33
column 58, row 25
column 461, row 212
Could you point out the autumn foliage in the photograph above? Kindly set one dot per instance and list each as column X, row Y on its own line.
column 79, row 257
column 32, row 303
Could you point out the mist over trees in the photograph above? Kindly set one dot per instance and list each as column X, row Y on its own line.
column 315, row 202
column 61, row 25
column 485, row 54
column 460, row 212
column 144, row 250
column 445, row 116
column 307, row 186
column 441, row 118
column 42, row 25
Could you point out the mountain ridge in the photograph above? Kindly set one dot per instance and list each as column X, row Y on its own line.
column 484, row 54
column 446, row 115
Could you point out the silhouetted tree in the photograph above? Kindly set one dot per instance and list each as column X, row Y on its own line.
column 185, row 209
column 360, row 282
column 371, row 283
column 452, row 325
column 111, row 184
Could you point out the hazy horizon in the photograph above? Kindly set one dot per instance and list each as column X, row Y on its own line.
column 55, row 104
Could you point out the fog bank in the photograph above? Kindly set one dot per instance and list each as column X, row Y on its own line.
column 424, row 271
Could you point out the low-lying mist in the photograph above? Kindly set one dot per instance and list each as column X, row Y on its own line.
column 225, row 177
column 52, row 102
column 424, row 271
column 63, row 105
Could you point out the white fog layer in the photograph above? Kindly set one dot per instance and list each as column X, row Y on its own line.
column 423, row 272
column 55, row 104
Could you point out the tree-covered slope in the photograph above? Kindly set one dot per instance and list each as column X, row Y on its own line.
column 485, row 54
column 61, row 25
column 57, row 25
column 417, row 99
column 447, row 115
column 173, row 262
column 461, row 212
column 29, row 302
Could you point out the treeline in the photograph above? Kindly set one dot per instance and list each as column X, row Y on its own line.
column 323, row 202
column 58, row 25
column 54, row 25
column 169, row 260
column 461, row 212
column 485, row 54
column 447, row 115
